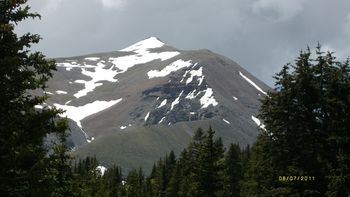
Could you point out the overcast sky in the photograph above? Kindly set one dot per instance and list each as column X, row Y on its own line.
column 260, row 35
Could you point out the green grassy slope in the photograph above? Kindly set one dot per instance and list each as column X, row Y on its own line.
column 142, row 146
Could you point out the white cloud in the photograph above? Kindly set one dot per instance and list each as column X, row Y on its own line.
column 277, row 10
column 112, row 3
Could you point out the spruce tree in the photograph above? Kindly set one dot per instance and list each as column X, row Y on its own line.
column 135, row 184
column 233, row 171
column 112, row 179
column 173, row 188
column 206, row 177
column 307, row 126
column 22, row 127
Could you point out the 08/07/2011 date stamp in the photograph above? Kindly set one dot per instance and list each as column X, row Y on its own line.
column 296, row 178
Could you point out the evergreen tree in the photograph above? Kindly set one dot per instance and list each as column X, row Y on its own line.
column 27, row 167
column 88, row 179
column 173, row 188
column 204, row 165
column 233, row 171
column 55, row 173
column 259, row 176
column 209, row 168
column 112, row 179
column 186, row 173
column 135, row 184
column 307, row 126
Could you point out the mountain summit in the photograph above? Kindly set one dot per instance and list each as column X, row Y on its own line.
column 131, row 106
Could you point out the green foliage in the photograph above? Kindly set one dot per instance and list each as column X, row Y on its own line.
column 112, row 179
column 307, row 130
column 197, row 172
column 27, row 166
column 233, row 171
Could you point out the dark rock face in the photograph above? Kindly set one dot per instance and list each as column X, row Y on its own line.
column 187, row 109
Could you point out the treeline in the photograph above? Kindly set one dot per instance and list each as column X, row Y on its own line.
column 202, row 169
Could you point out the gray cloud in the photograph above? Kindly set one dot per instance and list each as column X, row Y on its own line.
column 261, row 35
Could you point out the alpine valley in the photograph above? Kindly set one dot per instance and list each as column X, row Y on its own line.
column 132, row 106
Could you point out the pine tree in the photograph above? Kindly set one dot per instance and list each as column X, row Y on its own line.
column 23, row 129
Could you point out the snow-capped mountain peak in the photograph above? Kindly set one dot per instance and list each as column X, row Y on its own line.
column 145, row 45
column 151, row 84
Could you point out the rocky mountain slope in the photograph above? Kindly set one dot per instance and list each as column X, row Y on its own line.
column 131, row 106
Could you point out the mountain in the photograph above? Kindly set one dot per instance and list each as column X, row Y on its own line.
column 131, row 106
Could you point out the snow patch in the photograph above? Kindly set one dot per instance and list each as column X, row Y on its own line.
column 161, row 120
column 196, row 73
column 92, row 58
column 88, row 139
column 177, row 101
column 200, row 79
column 235, row 98
column 71, row 65
column 162, row 104
column 183, row 77
column 226, row 121
column 50, row 93
column 120, row 64
column 125, row 62
column 79, row 113
column 149, row 43
column 191, row 95
column 175, row 66
column 38, row 107
column 122, row 127
column 252, row 83
column 142, row 54
column 79, row 81
column 208, row 98
column 100, row 74
column 258, row 122
column 102, row 169
column 146, row 117
column 61, row 92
